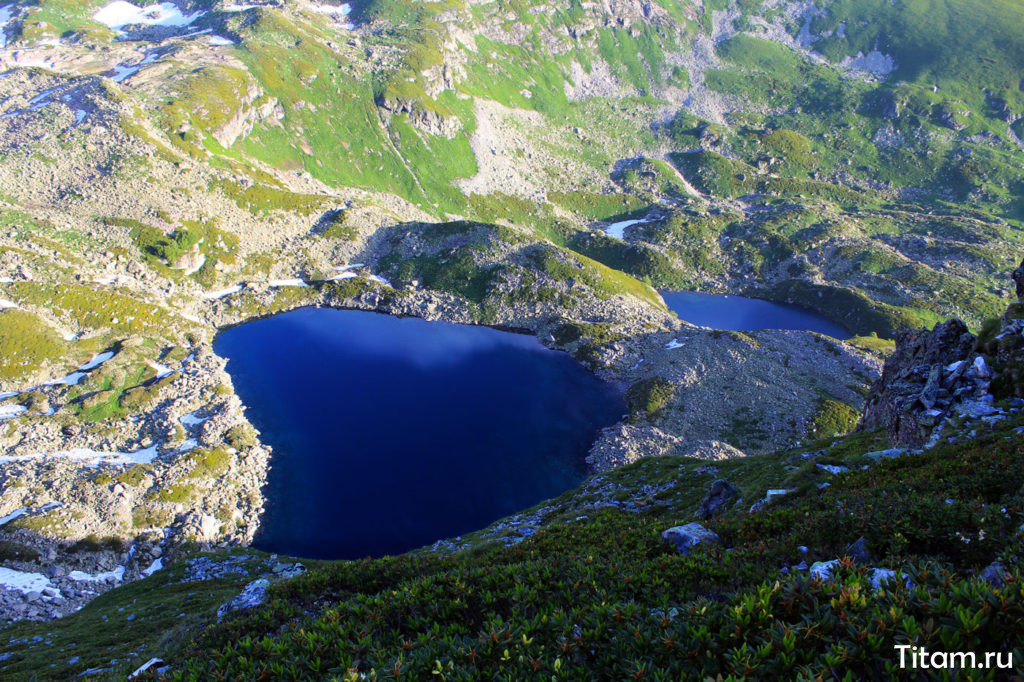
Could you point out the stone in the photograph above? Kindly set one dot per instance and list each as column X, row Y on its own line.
column 689, row 535
column 930, row 393
column 858, row 551
column 822, row 570
column 891, row 453
column 981, row 368
column 720, row 494
column 880, row 576
column 993, row 574
column 252, row 595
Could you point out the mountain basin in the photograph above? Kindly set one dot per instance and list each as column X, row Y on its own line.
column 738, row 313
column 391, row 433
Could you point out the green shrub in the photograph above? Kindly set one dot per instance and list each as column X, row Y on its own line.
column 649, row 397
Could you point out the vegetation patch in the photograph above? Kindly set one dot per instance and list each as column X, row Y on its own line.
column 649, row 397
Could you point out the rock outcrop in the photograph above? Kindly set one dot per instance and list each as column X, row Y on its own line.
column 919, row 382
column 720, row 494
column 946, row 372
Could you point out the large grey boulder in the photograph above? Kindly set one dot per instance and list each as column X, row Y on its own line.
column 690, row 535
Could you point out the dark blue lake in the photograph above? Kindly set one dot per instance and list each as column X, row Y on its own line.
column 737, row 313
column 390, row 433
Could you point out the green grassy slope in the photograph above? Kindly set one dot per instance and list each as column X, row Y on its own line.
column 583, row 586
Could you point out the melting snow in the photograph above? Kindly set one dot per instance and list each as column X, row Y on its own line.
column 9, row 411
column 188, row 445
column 96, row 361
column 220, row 41
column 4, row 303
column 161, row 370
column 79, row 116
column 22, row 581
column 119, row 13
column 13, row 515
column 9, row 394
column 69, row 380
column 91, row 458
column 378, row 278
column 617, row 230
column 153, row 567
column 5, row 17
column 191, row 419
column 288, row 283
column 343, row 275
column 122, row 73
column 213, row 295
column 117, row 574
column 673, row 344
column 337, row 12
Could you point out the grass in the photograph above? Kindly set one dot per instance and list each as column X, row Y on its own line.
column 27, row 344
column 120, row 629
column 594, row 593
column 649, row 397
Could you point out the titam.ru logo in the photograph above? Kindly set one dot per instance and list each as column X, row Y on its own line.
column 919, row 658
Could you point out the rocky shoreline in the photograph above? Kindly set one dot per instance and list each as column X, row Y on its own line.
column 198, row 483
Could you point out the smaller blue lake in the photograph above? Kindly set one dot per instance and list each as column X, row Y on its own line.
column 737, row 313
column 390, row 434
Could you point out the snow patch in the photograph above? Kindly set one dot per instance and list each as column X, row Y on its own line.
column 288, row 283
column 69, row 380
column 11, row 411
column 119, row 14
column 188, row 445
column 214, row 295
column 91, row 458
column 4, row 304
column 153, row 567
column 617, row 230
column 161, row 370
column 13, row 515
column 191, row 419
column 220, row 41
column 6, row 12
column 117, row 574
column 22, row 581
column 337, row 12
column 123, row 73
column 673, row 344
column 96, row 361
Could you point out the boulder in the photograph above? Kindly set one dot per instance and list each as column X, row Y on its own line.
column 993, row 574
column 690, row 535
column 720, row 493
column 858, row 551
column 252, row 595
